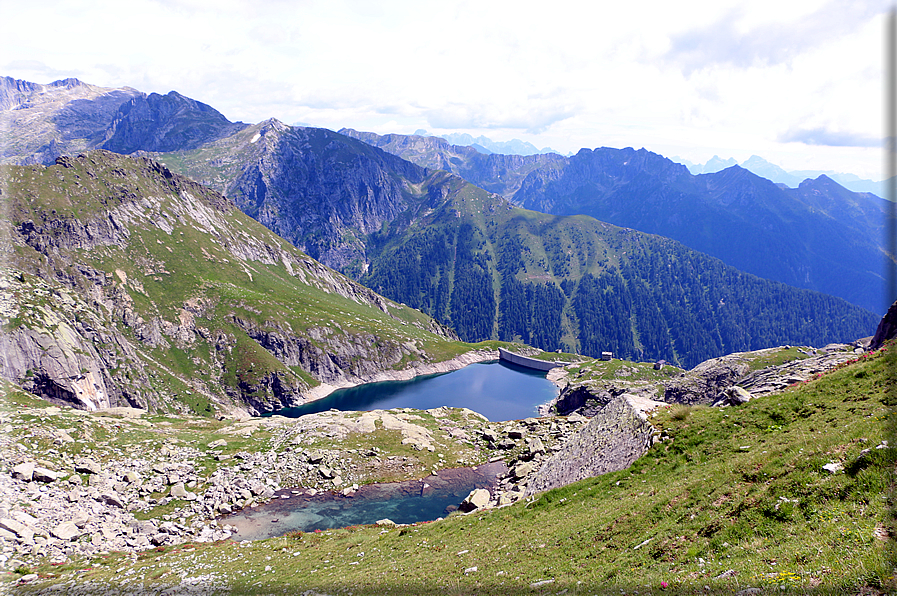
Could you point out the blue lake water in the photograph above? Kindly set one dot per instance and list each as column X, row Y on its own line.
column 402, row 502
column 499, row 391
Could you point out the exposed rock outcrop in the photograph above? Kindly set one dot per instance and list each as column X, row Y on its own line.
column 772, row 379
column 56, row 347
column 477, row 499
column 617, row 436
column 730, row 380
column 583, row 399
column 703, row 383
column 887, row 328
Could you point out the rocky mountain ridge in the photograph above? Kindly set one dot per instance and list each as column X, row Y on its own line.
column 42, row 122
column 323, row 191
column 165, row 123
column 498, row 173
column 792, row 179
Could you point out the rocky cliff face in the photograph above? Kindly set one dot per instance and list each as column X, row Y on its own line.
column 168, row 122
column 55, row 346
column 887, row 328
column 323, row 191
column 127, row 284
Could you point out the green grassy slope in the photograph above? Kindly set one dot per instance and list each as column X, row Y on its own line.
column 734, row 498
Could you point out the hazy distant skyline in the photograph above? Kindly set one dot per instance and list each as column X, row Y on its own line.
column 798, row 83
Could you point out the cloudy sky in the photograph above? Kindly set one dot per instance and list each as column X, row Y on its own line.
column 797, row 82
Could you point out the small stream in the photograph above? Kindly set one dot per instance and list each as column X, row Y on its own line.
column 402, row 502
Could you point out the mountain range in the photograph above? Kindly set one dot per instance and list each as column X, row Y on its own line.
column 491, row 270
column 139, row 280
column 484, row 144
column 436, row 242
column 792, row 179
column 819, row 236
column 754, row 164
column 445, row 233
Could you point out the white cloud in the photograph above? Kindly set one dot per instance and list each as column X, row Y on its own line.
column 830, row 138
column 694, row 79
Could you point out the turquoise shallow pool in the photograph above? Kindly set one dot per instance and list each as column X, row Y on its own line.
column 402, row 502
column 498, row 391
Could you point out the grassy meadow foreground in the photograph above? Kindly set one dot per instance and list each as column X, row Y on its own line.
column 733, row 499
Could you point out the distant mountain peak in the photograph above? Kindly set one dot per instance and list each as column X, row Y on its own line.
column 167, row 122
column 274, row 124
column 67, row 83
column 481, row 143
column 791, row 179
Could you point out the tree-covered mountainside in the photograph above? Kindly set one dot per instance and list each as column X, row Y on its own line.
column 491, row 270
column 818, row 236
column 123, row 283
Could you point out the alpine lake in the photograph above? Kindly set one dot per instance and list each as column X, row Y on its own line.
column 500, row 391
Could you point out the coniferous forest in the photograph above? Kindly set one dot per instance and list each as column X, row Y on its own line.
column 579, row 285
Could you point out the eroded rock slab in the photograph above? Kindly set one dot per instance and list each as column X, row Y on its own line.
column 611, row 441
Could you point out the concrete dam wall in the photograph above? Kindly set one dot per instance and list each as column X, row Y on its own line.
column 526, row 361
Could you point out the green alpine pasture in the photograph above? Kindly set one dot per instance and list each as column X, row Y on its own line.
column 731, row 499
